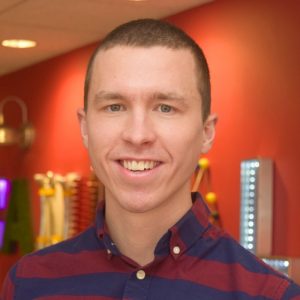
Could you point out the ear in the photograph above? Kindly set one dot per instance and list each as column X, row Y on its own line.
column 81, row 115
column 209, row 131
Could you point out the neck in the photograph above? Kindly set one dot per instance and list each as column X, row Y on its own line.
column 136, row 234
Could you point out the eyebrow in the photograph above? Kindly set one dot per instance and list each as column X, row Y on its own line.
column 168, row 96
column 108, row 95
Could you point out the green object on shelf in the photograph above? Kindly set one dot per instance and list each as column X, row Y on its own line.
column 18, row 229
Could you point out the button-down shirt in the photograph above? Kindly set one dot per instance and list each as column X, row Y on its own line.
column 193, row 260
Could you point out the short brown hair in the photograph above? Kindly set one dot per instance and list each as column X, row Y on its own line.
column 149, row 33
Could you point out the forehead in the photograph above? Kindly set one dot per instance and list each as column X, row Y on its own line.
column 156, row 57
column 141, row 67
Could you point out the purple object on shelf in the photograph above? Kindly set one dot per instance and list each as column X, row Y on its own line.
column 2, row 227
column 4, row 192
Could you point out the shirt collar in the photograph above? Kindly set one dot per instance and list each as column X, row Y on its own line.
column 190, row 227
column 183, row 234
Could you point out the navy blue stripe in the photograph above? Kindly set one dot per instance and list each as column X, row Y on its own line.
column 227, row 251
column 162, row 289
column 191, row 229
column 292, row 291
column 101, row 284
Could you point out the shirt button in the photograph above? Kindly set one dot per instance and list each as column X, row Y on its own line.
column 140, row 274
column 176, row 250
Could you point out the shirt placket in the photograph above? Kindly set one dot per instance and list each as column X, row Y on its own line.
column 137, row 286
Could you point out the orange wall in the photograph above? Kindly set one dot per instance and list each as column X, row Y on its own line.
column 253, row 50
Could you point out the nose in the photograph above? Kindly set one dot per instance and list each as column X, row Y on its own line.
column 139, row 129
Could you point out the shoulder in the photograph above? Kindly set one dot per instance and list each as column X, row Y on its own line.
column 37, row 272
column 292, row 292
column 60, row 253
column 238, row 269
column 52, row 262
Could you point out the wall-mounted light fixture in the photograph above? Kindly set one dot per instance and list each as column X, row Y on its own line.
column 256, row 218
column 287, row 265
column 256, row 232
column 24, row 135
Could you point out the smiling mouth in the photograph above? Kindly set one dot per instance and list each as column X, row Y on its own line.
column 140, row 165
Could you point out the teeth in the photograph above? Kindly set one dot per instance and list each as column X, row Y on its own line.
column 135, row 166
column 138, row 165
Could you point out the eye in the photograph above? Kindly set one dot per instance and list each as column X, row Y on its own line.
column 115, row 107
column 165, row 108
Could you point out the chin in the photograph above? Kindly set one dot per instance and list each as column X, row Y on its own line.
column 138, row 203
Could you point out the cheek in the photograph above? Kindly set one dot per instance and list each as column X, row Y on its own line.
column 99, row 129
column 184, row 147
column 98, row 149
column 186, row 139
column 98, row 140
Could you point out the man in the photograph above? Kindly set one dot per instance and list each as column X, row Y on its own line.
column 145, row 121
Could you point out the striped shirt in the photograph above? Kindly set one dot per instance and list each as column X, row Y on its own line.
column 193, row 260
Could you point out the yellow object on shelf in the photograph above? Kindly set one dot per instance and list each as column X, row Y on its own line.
column 211, row 197
column 203, row 163
column 46, row 192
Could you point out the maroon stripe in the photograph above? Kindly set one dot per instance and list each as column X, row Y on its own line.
column 225, row 277
column 176, row 240
column 201, row 213
column 8, row 289
column 215, row 233
column 65, row 297
column 60, row 264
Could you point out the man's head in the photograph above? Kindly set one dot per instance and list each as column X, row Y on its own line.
column 149, row 33
column 144, row 125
